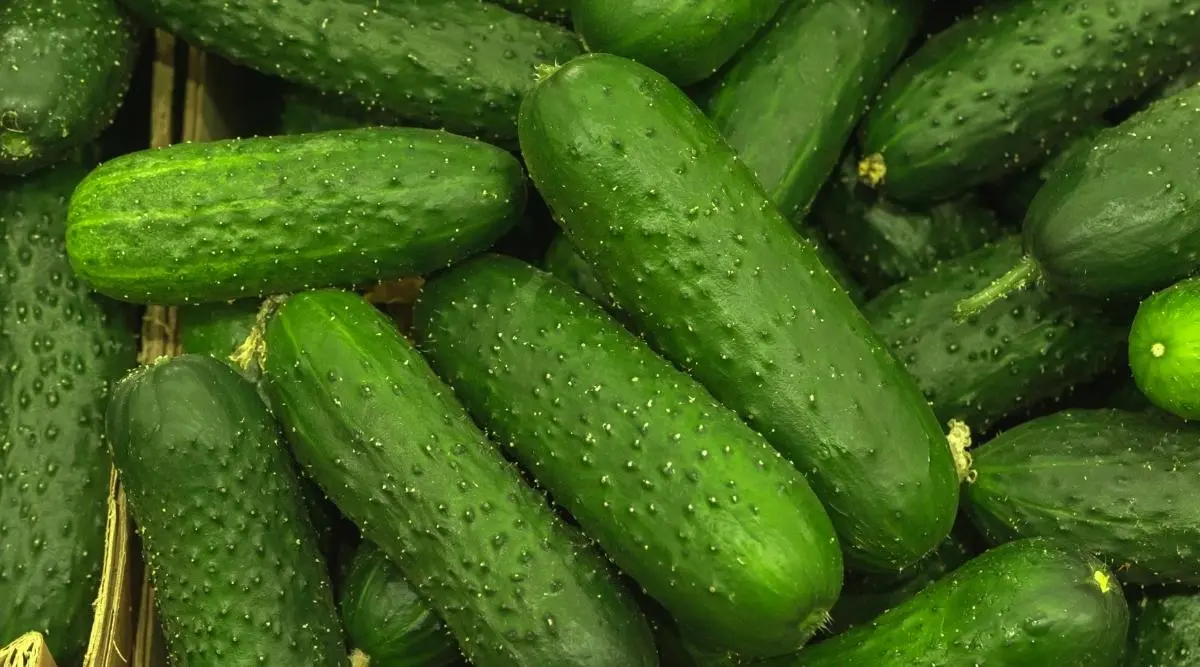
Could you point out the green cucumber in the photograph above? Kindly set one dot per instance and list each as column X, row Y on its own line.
column 1165, row 632
column 683, row 496
column 789, row 101
column 1004, row 88
column 685, row 40
column 219, row 511
column 221, row 220
column 721, row 284
column 1164, row 349
column 1029, row 602
column 884, row 242
column 1115, row 220
column 61, row 349
column 1009, row 357
column 217, row 328
column 385, row 438
column 386, row 621
column 67, row 65
column 1119, row 484
column 461, row 65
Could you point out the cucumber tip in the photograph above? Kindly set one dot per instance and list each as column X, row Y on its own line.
column 872, row 170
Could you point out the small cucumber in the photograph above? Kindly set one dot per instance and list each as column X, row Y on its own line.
column 1164, row 349
column 1165, row 632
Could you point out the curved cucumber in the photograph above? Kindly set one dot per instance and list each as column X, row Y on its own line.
column 219, row 511
column 1030, row 602
column 720, row 283
column 680, row 493
column 1164, row 349
column 1117, row 483
column 1007, row 86
column 1165, row 632
column 200, row 222
column 685, row 40
column 789, row 101
column 385, row 438
column 67, row 65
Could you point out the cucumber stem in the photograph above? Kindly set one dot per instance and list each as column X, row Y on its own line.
column 959, row 439
column 1018, row 278
column 872, row 169
column 254, row 347
column 359, row 659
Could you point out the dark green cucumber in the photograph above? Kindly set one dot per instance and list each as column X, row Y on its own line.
column 685, row 40
column 683, row 496
column 884, row 242
column 217, row 328
column 789, row 101
column 67, row 65
column 1119, row 484
column 1164, row 349
column 546, row 10
column 1004, row 88
column 690, row 247
column 1030, row 602
column 61, row 349
column 386, row 621
column 461, row 65
column 385, row 438
column 221, row 220
column 1165, row 632
column 1009, row 357
column 219, row 511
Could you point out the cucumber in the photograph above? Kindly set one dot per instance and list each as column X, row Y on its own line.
column 67, row 65
column 885, row 243
column 386, row 621
column 681, row 494
column 789, row 101
column 1029, row 602
column 461, row 65
column 720, row 284
column 1164, row 349
column 385, row 438
column 217, row 328
column 218, row 508
column 1117, row 483
column 1165, row 632
column 200, row 222
column 1006, row 87
column 1114, row 220
column 685, row 41
column 1010, row 357
column 61, row 349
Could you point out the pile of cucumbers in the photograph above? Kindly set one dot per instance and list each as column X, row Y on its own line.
column 790, row 333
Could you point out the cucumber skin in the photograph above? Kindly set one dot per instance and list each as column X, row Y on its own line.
column 556, row 11
column 62, row 350
column 1165, row 632
column 1013, row 355
column 391, row 55
column 217, row 328
column 755, row 532
column 1007, row 86
column 1115, row 220
column 789, row 101
column 437, row 497
column 1168, row 318
column 685, row 40
column 727, row 290
column 386, row 619
column 1030, row 602
column 1133, row 475
column 206, row 473
column 199, row 222
column 564, row 262
column 67, row 65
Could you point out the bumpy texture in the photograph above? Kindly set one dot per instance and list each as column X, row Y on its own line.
column 679, row 492
column 788, row 102
column 1120, row 484
column 547, row 10
column 217, row 328
column 238, row 579
column 386, row 439
column 67, row 65
column 251, row 217
column 462, row 65
column 1002, row 89
column 61, row 349
column 1014, row 354
column 564, row 262
column 387, row 621
column 1031, row 602
column 697, row 256
column 1165, row 632
column 685, row 40
column 1164, row 348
